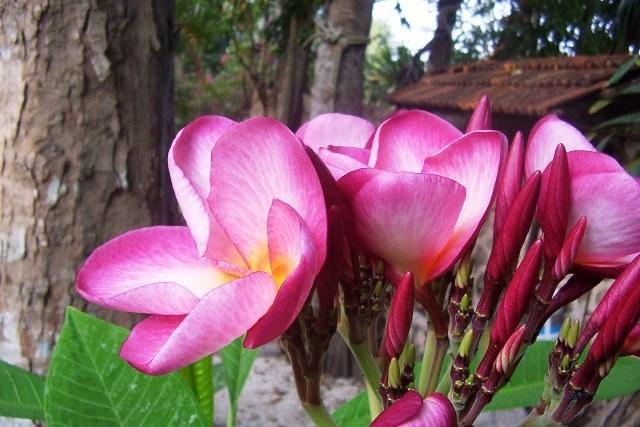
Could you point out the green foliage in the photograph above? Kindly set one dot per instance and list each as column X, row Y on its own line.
column 353, row 413
column 237, row 362
column 617, row 116
column 21, row 393
column 509, row 28
column 89, row 385
column 527, row 382
column 199, row 376
column 386, row 67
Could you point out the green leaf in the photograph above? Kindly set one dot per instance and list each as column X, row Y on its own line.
column 631, row 90
column 625, row 119
column 354, row 413
column 623, row 379
column 527, row 382
column 89, row 385
column 599, row 105
column 219, row 381
column 236, row 362
column 622, row 71
column 21, row 393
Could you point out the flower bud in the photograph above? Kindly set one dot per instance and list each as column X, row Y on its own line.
column 578, row 285
column 399, row 318
column 513, row 306
column 617, row 295
column 564, row 261
column 481, row 117
column 554, row 204
column 509, row 352
column 393, row 374
column 506, row 247
column 631, row 346
column 510, row 183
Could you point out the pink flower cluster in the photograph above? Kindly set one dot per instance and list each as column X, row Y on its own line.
column 412, row 192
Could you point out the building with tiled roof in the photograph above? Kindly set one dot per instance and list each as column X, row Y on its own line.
column 520, row 90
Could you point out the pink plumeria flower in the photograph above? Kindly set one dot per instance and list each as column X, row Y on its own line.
column 412, row 411
column 601, row 191
column 418, row 188
column 255, row 239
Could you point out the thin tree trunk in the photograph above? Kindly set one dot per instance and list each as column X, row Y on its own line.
column 86, row 116
column 293, row 80
column 441, row 45
column 338, row 77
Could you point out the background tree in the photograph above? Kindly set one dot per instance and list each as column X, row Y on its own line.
column 86, row 116
column 344, row 32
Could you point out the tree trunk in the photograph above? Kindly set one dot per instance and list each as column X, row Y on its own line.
column 86, row 116
column 294, row 76
column 442, row 44
column 338, row 77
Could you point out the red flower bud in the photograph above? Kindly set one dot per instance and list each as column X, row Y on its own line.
column 509, row 184
column 555, row 199
column 508, row 354
column 617, row 296
column 506, row 247
column 631, row 346
column 399, row 318
column 578, row 285
column 567, row 254
column 513, row 306
column 481, row 117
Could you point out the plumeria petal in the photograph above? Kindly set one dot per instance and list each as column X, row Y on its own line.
column 189, row 167
column 411, row 411
column 340, row 163
column 161, row 344
column 475, row 161
column 546, row 134
column 402, row 142
column 335, row 129
column 257, row 161
column 404, row 218
column 294, row 264
column 610, row 200
column 149, row 270
column 405, row 409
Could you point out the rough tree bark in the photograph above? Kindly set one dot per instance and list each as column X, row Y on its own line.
column 86, row 116
column 338, row 77
column 442, row 44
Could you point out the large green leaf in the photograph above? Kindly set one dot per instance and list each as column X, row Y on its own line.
column 354, row 413
column 21, row 393
column 89, row 385
column 527, row 382
column 236, row 362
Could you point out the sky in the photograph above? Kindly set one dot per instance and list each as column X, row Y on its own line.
column 421, row 15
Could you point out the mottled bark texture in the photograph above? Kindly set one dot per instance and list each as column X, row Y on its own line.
column 338, row 76
column 86, row 116
column 441, row 46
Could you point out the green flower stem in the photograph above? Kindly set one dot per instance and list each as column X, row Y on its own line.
column 370, row 370
column 435, row 349
column 319, row 415
column 445, row 382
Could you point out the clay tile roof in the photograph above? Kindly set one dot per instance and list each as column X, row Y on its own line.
column 530, row 87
